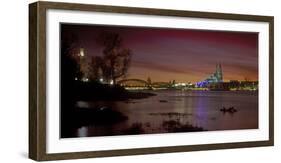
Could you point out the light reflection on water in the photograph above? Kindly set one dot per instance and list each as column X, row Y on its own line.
column 198, row 108
column 82, row 132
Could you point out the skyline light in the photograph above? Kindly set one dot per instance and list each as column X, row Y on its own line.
column 178, row 54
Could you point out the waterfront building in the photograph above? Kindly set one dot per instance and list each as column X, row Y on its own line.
column 216, row 77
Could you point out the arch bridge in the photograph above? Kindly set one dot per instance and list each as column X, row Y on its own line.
column 139, row 83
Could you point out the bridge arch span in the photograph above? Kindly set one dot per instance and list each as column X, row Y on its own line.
column 133, row 82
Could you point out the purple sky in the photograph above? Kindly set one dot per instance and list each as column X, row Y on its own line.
column 178, row 54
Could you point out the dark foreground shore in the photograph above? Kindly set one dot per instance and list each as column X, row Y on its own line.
column 100, row 114
column 104, row 118
column 73, row 116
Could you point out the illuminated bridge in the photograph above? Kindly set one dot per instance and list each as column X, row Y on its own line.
column 142, row 84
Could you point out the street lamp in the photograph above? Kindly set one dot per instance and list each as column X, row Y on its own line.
column 101, row 80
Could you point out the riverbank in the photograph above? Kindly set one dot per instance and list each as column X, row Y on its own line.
column 74, row 116
column 96, row 91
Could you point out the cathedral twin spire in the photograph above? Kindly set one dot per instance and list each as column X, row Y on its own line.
column 218, row 73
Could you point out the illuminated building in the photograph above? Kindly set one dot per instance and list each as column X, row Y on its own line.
column 216, row 77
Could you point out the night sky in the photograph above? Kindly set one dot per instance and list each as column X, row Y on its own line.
column 184, row 55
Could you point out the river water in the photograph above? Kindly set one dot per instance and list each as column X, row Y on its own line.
column 197, row 108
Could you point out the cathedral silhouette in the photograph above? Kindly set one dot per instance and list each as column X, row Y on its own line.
column 216, row 77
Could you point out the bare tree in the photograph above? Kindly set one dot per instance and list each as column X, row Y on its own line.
column 116, row 58
column 96, row 68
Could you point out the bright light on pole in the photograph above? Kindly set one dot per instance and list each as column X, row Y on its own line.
column 81, row 52
column 111, row 82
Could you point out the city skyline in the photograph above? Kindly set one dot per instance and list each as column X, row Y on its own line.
column 183, row 55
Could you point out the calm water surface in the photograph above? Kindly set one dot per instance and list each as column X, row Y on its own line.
column 197, row 108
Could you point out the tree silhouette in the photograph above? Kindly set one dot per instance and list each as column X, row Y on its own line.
column 116, row 58
column 69, row 67
column 70, row 71
column 96, row 68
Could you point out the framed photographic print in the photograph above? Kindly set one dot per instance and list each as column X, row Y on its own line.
column 111, row 81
